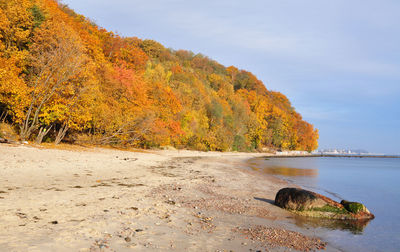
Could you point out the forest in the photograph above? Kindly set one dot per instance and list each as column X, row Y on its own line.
column 65, row 79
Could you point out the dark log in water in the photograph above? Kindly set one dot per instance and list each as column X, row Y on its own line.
column 307, row 203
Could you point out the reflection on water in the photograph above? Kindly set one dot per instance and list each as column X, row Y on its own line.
column 354, row 226
column 283, row 170
column 291, row 172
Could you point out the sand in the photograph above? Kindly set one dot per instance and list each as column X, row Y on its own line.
column 94, row 199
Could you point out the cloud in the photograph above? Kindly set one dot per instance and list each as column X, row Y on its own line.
column 337, row 50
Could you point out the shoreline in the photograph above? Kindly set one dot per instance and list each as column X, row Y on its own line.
column 96, row 199
column 333, row 155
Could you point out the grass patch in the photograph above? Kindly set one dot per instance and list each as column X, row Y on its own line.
column 331, row 209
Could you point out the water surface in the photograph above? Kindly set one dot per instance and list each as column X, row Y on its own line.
column 372, row 181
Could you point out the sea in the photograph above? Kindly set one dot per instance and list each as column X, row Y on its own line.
column 375, row 182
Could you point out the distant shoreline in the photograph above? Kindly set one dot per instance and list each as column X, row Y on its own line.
column 333, row 155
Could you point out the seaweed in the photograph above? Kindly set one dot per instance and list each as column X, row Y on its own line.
column 353, row 207
column 331, row 209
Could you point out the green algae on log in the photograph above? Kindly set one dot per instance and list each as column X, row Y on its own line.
column 354, row 207
column 311, row 204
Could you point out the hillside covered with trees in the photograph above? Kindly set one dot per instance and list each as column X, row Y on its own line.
column 63, row 78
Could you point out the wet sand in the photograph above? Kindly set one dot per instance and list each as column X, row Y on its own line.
column 93, row 199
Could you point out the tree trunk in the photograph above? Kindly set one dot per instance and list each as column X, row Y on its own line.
column 3, row 116
column 43, row 131
column 61, row 133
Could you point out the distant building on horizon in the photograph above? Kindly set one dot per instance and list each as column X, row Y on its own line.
column 341, row 152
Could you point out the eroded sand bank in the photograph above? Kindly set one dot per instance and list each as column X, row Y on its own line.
column 111, row 200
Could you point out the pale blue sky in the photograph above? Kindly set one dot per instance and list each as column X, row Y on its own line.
column 337, row 61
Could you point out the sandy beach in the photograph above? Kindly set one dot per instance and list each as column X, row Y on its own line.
column 94, row 199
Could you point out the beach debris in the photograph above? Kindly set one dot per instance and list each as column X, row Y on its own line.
column 101, row 244
column 3, row 140
column 129, row 159
column 130, row 185
column 170, row 201
column 206, row 222
column 54, row 222
column 126, row 233
column 55, row 189
column 276, row 237
column 312, row 204
column 101, row 184
column 21, row 215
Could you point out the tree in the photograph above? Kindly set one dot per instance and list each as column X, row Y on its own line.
column 59, row 70
column 57, row 56
column 13, row 91
column 152, row 48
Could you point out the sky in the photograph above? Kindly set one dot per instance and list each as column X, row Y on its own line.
column 337, row 61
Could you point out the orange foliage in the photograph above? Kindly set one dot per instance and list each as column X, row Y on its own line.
column 59, row 69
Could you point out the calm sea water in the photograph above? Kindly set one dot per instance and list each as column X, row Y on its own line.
column 372, row 181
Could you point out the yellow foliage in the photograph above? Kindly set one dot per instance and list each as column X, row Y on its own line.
column 59, row 69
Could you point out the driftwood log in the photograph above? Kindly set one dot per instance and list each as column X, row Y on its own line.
column 312, row 204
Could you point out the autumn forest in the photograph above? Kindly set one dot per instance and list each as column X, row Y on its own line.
column 64, row 79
